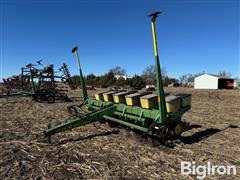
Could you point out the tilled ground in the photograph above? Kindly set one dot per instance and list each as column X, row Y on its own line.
column 98, row 151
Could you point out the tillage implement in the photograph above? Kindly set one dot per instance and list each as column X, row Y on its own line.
column 42, row 84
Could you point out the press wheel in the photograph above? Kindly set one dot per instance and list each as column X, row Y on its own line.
column 178, row 129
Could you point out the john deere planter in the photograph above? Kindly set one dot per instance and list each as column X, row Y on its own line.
column 153, row 115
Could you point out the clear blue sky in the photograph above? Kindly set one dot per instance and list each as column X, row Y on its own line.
column 193, row 36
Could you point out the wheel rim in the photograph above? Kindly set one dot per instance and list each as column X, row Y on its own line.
column 51, row 99
column 178, row 129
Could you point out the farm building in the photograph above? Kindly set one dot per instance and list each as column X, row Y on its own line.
column 209, row 81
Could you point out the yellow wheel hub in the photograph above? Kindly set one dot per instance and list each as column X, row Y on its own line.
column 178, row 129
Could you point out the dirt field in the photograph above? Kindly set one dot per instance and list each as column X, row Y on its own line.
column 97, row 151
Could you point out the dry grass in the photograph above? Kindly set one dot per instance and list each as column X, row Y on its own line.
column 96, row 151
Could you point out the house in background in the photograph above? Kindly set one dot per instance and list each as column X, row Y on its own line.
column 210, row 81
column 121, row 76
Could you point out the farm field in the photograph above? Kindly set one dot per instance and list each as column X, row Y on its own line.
column 98, row 151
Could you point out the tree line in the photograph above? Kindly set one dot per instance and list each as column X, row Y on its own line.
column 117, row 77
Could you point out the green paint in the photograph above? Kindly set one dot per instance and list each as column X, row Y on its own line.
column 83, row 85
column 131, row 125
column 87, row 119
column 160, row 90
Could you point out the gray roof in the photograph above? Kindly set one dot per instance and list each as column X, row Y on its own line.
column 220, row 77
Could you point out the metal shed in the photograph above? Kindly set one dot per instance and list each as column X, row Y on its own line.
column 210, row 81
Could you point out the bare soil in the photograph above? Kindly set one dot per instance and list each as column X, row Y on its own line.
column 98, row 151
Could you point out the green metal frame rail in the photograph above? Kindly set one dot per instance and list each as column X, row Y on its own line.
column 135, row 117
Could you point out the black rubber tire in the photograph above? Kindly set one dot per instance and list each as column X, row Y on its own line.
column 73, row 111
column 51, row 99
column 66, row 98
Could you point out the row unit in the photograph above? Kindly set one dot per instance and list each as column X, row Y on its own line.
column 146, row 100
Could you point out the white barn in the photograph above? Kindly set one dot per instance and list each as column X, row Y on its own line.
column 209, row 81
column 206, row 81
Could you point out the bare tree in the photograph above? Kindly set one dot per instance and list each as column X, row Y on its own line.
column 149, row 74
column 224, row 74
column 118, row 71
column 186, row 79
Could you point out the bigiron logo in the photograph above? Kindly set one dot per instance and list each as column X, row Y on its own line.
column 202, row 171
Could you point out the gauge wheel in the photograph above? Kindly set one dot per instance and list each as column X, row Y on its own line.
column 50, row 99
column 179, row 128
